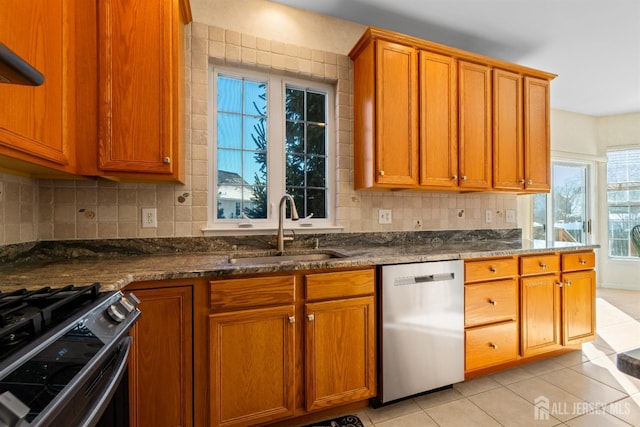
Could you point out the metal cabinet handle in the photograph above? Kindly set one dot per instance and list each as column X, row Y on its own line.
column 522, row 181
column 311, row 317
column 530, row 182
column 454, row 177
column 493, row 269
column 166, row 160
column 493, row 302
column 381, row 173
column 543, row 265
column 464, row 177
column 493, row 346
column 582, row 262
column 559, row 284
column 292, row 319
column 568, row 283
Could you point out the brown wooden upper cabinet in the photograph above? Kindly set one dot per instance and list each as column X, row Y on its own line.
column 456, row 121
column 37, row 123
column 141, row 88
column 113, row 99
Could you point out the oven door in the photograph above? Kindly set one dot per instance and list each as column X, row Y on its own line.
column 82, row 403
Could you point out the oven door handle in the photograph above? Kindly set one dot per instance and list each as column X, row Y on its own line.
column 109, row 389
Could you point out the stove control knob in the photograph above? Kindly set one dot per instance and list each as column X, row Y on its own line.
column 119, row 310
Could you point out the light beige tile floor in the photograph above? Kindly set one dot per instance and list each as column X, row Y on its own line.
column 581, row 388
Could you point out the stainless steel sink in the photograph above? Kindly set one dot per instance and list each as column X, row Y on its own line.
column 284, row 258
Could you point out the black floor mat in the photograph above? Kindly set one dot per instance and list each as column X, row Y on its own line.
column 344, row 421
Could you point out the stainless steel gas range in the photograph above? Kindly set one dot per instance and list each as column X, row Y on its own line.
column 63, row 354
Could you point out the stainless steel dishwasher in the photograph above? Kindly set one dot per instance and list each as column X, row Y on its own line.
column 422, row 328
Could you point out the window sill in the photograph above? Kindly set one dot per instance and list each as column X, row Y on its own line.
column 262, row 230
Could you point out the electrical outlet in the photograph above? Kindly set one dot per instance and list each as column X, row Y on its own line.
column 511, row 216
column 149, row 218
column 488, row 216
column 384, row 216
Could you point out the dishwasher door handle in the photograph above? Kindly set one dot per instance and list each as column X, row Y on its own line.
column 428, row 278
column 434, row 278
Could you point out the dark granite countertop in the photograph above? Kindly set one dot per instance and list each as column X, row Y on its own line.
column 117, row 263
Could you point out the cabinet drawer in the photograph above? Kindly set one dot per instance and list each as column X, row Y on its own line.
column 499, row 268
column 491, row 345
column 490, row 302
column 339, row 284
column 539, row 264
column 578, row 261
column 236, row 294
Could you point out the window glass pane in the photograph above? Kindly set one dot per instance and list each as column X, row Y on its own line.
column 255, row 98
column 255, row 133
column 623, row 198
column 315, row 107
column 295, row 171
column 306, row 170
column 317, row 202
column 294, row 104
column 540, row 217
column 295, row 137
column 315, row 171
column 316, row 140
column 569, row 207
column 229, row 130
column 241, row 148
column 229, row 95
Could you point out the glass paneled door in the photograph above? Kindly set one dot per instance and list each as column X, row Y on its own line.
column 567, row 207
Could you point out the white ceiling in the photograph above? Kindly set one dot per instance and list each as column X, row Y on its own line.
column 593, row 45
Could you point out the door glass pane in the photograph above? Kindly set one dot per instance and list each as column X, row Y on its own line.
column 569, row 203
column 540, row 217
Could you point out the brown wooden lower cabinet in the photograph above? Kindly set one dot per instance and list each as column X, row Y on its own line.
column 252, row 366
column 160, row 362
column 528, row 306
column 286, row 345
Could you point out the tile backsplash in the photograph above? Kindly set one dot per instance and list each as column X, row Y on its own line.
column 33, row 209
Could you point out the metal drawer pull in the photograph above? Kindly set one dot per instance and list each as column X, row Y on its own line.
column 530, row 182
column 543, row 265
column 559, row 284
column 166, row 160
column 292, row 319
column 493, row 346
column 311, row 317
column 568, row 283
column 492, row 302
column 522, row 181
column 381, row 173
column 454, row 177
column 464, row 177
column 583, row 262
column 493, row 269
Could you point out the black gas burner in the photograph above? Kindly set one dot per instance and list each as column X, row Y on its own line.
column 25, row 314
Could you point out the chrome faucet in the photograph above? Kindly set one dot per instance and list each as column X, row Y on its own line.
column 294, row 217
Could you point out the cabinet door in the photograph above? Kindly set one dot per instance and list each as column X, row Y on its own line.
column 537, row 148
column 140, row 87
column 540, row 314
column 474, row 115
column 438, row 121
column 578, row 307
column 508, row 156
column 396, row 115
column 160, row 368
column 340, row 352
column 252, row 365
column 32, row 119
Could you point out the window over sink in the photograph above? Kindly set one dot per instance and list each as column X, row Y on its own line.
column 270, row 135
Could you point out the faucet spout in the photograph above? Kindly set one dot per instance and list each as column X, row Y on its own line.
column 294, row 217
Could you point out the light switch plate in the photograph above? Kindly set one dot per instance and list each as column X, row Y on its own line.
column 511, row 216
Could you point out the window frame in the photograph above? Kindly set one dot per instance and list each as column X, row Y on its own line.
column 276, row 153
